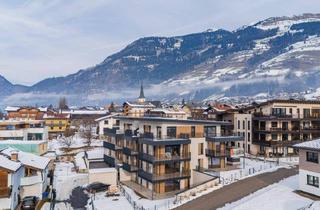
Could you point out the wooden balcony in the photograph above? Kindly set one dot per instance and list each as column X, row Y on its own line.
column 5, row 192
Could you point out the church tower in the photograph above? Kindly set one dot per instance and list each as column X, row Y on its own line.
column 141, row 98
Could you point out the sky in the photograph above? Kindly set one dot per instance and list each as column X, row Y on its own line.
column 50, row 38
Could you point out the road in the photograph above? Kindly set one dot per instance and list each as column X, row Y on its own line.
column 237, row 190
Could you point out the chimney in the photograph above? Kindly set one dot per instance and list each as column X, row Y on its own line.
column 14, row 156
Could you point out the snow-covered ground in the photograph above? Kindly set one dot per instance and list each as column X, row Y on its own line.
column 279, row 196
column 101, row 202
column 66, row 179
column 77, row 142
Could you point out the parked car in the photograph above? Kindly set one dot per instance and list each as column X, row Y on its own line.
column 97, row 187
column 29, row 203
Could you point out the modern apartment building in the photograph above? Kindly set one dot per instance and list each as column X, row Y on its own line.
column 241, row 126
column 160, row 153
column 26, row 130
column 309, row 166
column 279, row 124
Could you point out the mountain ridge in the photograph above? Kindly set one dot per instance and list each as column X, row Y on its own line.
column 279, row 51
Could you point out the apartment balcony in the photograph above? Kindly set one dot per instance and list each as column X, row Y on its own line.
column 111, row 146
column 129, row 151
column 110, row 161
column 310, row 129
column 129, row 167
column 262, row 116
column 167, row 176
column 5, row 192
column 31, row 180
column 224, row 137
column 148, row 138
column 112, row 132
column 165, row 157
column 216, row 153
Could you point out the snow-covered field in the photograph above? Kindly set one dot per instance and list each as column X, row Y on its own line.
column 100, row 202
column 279, row 196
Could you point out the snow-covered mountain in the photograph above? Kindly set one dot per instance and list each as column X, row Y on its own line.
column 271, row 58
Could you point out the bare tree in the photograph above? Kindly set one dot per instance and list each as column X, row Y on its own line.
column 67, row 138
column 87, row 134
column 63, row 103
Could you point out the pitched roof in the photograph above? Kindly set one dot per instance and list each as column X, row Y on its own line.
column 8, row 164
column 312, row 145
column 28, row 159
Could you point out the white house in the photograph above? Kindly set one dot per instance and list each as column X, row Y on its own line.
column 309, row 166
column 36, row 168
column 106, row 122
column 11, row 173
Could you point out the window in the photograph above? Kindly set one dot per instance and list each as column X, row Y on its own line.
column 290, row 111
column 249, row 125
column 279, row 111
column 274, row 124
column 200, row 149
column 306, row 112
column 106, row 122
column 249, row 137
column 284, row 137
column 312, row 157
column 172, row 132
column 238, row 124
column 274, row 137
column 313, row 181
column 193, row 131
column 243, row 124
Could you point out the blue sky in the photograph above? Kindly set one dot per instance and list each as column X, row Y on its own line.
column 46, row 38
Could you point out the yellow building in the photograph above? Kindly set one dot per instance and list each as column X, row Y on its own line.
column 56, row 123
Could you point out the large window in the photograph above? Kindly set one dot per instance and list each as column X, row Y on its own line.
column 312, row 157
column 172, row 132
column 279, row 111
column 193, row 131
column 313, row 181
column 306, row 112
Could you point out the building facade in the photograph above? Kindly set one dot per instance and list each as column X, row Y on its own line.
column 279, row 124
column 26, row 130
column 160, row 153
column 56, row 124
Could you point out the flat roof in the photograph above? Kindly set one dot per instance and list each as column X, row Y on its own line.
column 174, row 120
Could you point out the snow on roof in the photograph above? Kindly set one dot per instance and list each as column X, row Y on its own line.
column 168, row 111
column 28, row 159
column 103, row 170
column 314, row 145
column 141, row 105
column 22, row 142
column 56, row 116
column 106, row 117
column 96, row 153
column 84, row 112
column 11, row 108
column 6, row 163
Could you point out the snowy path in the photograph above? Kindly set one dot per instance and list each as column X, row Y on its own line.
column 238, row 190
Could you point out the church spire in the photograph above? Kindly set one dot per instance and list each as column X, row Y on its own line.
column 141, row 98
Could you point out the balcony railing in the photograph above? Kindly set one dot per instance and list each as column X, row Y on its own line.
column 167, row 176
column 130, row 151
column 129, row 167
column 165, row 157
column 148, row 135
column 216, row 153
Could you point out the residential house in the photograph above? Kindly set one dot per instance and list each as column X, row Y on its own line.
column 309, row 166
column 11, row 173
column 25, row 113
column 35, row 147
column 107, row 121
column 56, row 123
column 36, row 169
